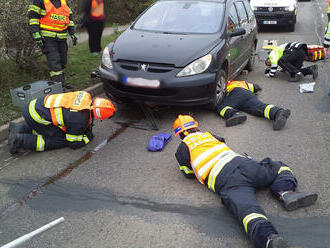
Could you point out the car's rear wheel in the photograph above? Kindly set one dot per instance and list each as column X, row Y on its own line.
column 221, row 82
column 249, row 66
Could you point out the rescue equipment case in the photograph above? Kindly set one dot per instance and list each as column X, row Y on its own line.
column 315, row 53
column 21, row 96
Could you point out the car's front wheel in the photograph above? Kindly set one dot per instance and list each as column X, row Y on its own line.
column 221, row 82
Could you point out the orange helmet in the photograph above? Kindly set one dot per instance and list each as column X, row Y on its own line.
column 102, row 108
column 183, row 123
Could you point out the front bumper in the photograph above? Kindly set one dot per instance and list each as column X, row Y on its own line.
column 184, row 91
column 276, row 18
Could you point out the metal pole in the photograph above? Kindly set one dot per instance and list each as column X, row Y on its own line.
column 30, row 235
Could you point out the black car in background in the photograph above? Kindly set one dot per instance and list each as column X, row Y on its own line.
column 181, row 52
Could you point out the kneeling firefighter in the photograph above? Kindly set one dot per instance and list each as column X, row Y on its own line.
column 240, row 95
column 235, row 178
column 290, row 57
column 57, row 121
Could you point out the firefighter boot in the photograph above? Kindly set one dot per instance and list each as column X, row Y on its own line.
column 235, row 119
column 293, row 200
column 280, row 118
column 315, row 71
column 297, row 77
column 276, row 241
column 15, row 141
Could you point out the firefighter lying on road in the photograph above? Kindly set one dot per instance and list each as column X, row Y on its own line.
column 235, row 178
column 290, row 57
column 58, row 120
column 240, row 96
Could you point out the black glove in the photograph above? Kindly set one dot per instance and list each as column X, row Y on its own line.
column 74, row 39
column 257, row 88
column 267, row 70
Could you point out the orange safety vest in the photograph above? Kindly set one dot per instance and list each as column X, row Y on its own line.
column 97, row 9
column 233, row 84
column 328, row 6
column 206, row 153
column 55, row 19
column 77, row 100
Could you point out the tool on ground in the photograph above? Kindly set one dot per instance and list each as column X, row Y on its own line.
column 148, row 112
column 27, row 237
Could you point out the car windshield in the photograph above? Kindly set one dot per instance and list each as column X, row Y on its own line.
column 182, row 17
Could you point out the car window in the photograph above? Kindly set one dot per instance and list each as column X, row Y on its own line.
column 248, row 9
column 232, row 19
column 182, row 17
column 241, row 12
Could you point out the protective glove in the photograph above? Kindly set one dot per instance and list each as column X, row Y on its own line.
column 267, row 70
column 257, row 88
column 38, row 39
column 74, row 39
column 158, row 142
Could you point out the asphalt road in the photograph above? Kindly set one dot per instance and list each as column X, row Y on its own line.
column 117, row 194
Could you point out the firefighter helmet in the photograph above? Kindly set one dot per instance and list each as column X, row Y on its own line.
column 183, row 123
column 102, row 108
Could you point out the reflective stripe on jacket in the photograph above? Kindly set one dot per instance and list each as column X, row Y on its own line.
column 208, row 156
column 240, row 84
column 77, row 100
column 97, row 9
column 56, row 19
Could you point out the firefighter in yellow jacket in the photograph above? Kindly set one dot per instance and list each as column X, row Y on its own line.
column 57, row 121
column 326, row 42
column 240, row 95
column 50, row 22
column 207, row 158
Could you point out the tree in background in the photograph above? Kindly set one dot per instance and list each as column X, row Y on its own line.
column 16, row 39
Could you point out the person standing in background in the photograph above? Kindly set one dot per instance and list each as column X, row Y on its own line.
column 93, row 20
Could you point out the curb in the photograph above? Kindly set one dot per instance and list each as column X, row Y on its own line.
column 94, row 90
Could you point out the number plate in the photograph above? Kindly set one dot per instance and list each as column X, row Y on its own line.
column 141, row 82
column 269, row 22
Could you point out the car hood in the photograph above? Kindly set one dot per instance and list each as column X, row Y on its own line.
column 273, row 3
column 176, row 49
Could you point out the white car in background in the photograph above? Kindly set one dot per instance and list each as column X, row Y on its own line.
column 275, row 12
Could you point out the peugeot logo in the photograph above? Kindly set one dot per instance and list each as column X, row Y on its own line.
column 144, row 67
column 270, row 9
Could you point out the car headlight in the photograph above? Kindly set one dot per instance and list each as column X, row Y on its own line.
column 106, row 60
column 290, row 8
column 196, row 67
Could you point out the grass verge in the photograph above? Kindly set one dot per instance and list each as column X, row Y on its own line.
column 80, row 64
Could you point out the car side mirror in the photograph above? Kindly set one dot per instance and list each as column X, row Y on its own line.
column 237, row 32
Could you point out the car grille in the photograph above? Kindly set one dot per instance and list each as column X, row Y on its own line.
column 145, row 66
column 272, row 15
column 271, row 9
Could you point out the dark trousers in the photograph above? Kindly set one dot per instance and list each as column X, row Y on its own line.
column 246, row 101
column 238, row 193
column 56, row 51
column 95, row 30
column 292, row 62
column 38, row 137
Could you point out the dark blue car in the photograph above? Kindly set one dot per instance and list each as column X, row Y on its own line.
column 181, row 52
